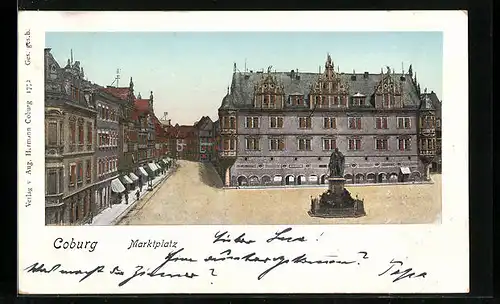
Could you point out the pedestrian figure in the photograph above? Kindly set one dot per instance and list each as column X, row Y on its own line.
column 137, row 193
column 126, row 198
column 140, row 187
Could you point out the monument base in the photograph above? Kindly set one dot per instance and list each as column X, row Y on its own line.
column 336, row 202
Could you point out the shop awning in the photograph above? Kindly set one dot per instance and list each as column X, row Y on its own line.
column 117, row 186
column 143, row 172
column 405, row 170
column 152, row 167
column 125, row 179
column 133, row 177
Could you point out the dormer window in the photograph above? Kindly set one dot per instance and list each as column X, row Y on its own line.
column 358, row 99
column 297, row 100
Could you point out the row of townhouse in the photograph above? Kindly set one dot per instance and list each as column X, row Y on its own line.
column 100, row 143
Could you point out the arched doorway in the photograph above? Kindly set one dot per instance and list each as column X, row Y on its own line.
column 278, row 179
column 393, row 178
column 348, row 178
column 370, row 177
column 313, row 179
column 266, row 180
column 253, row 180
column 323, row 179
column 242, row 181
column 301, row 179
column 415, row 176
column 289, row 180
column 360, row 178
column 382, row 177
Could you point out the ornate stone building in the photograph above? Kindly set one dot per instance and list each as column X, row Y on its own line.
column 142, row 116
column 436, row 105
column 70, row 118
column 127, row 139
column 279, row 128
column 108, row 153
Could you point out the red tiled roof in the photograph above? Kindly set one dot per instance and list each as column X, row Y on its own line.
column 141, row 106
column 121, row 93
column 181, row 131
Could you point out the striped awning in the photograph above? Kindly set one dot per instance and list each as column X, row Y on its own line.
column 152, row 167
column 133, row 177
column 126, row 180
column 117, row 186
column 143, row 172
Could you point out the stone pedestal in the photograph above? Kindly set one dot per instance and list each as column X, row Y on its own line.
column 336, row 202
column 336, row 184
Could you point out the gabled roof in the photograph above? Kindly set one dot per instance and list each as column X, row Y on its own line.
column 243, row 85
column 121, row 93
column 436, row 103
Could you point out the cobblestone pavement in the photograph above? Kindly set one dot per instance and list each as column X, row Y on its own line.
column 193, row 195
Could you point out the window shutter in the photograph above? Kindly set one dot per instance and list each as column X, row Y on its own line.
column 351, row 144
column 384, row 120
column 358, row 123
column 358, row 144
column 378, row 119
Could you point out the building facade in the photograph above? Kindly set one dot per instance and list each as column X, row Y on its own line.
column 142, row 116
column 108, row 153
column 280, row 128
column 128, row 134
column 70, row 117
column 205, row 138
column 184, row 142
column 436, row 104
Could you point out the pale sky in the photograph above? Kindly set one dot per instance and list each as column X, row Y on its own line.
column 189, row 72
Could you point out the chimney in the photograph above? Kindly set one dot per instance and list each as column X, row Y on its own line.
column 365, row 75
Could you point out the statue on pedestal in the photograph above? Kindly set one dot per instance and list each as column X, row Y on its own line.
column 336, row 164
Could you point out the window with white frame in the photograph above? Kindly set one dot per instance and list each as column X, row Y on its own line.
column 304, row 144
column 354, row 144
column 305, row 122
column 354, row 122
column 329, row 123
column 381, row 122
column 275, row 122
column 404, row 144
column 329, row 144
column 252, row 143
column 404, row 122
column 276, row 144
column 229, row 144
column 252, row 122
column 381, row 144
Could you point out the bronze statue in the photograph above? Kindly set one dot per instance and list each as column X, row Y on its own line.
column 336, row 165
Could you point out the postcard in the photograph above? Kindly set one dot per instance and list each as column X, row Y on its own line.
column 243, row 152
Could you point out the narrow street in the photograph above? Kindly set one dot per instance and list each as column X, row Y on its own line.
column 193, row 195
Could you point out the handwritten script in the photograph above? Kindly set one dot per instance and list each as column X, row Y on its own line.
column 243, row 251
